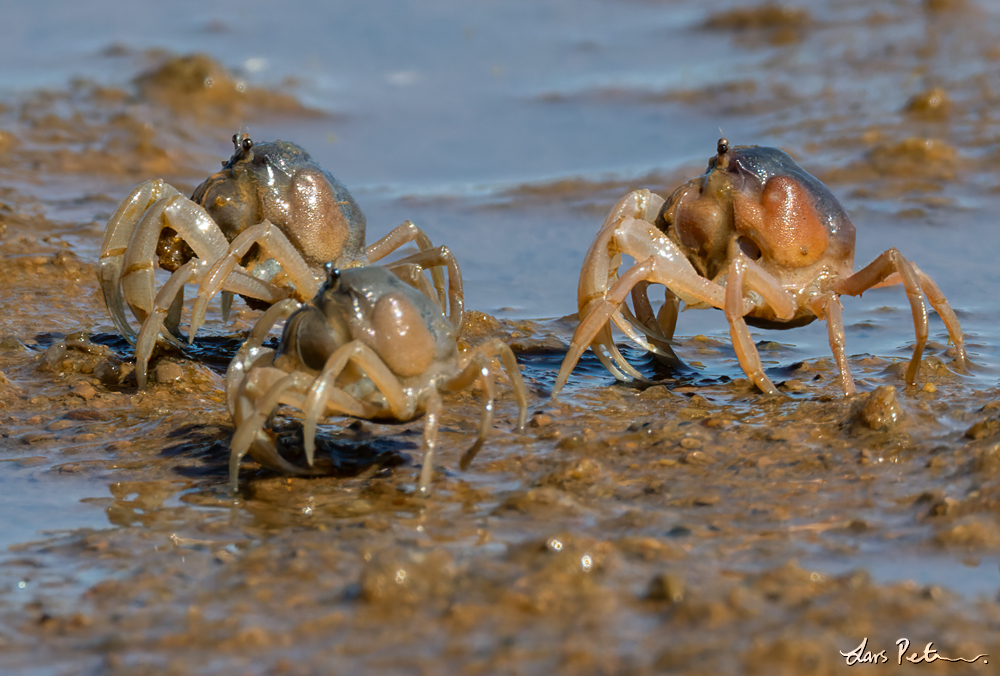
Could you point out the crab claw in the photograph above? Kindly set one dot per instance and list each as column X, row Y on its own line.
column 599, row 274
column 250, row 417
column 121, row 228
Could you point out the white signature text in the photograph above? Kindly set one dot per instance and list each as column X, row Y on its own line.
column 862, row 655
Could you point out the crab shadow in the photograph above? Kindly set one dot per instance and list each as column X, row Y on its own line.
column 202, row 451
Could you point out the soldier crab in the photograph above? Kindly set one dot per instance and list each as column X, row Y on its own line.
column 755, row 236
column 367, row 346
column 262, row 227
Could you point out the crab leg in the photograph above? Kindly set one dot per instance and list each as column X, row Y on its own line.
column 404, row 234
column 165, row 310
column 746, row 275
column 941, row 306
column 881, row 268
column 746, row 351
column 190, row 221
column 250, row 435
column 432, row 416
column 121, row 228
column 477, row 367
column 647, row 337
column 325, row 398
column 600, row 271
column 645, row 320
column 628, row 230
column 276, row 245
column 254, row 359
column 249, row 353
column 434, row 259
column 657, row 269
column 827, row 306
column 151, row 326
column 498, row 348
column 600, row 265
column 322, row 391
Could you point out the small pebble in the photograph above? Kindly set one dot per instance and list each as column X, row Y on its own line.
column 108, row 372
column 84, row 390
column 697, row 458
column 794, row 385
column 881, row 411
column 168, row 372
column 541, row 420
column 690, row 443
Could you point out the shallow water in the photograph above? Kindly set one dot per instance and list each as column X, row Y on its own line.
column 697, row 527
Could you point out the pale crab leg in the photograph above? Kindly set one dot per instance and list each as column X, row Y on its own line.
column 641, row 320
column 878, row 270
column 163, row 307
column 628, row 229
column 600, row 265
column 759, row 280
column 666, row 318
column 827, row 306
column 656, row 269
column 498, row 348
column 746, row 351
column 415, row 277
column 323, row 389
column 746, row 275
column 434, row 259
column 276, row 245
column 478, row 368
column 120, row 230
column 432, row 415
column 603, row 345
column 239, row 370
column 251, row 437
column 644, row 319
column 251, row 347
column 150, row 330
column 658, row 328
column 404, row 234
column 947, row 314
column 646, row 337
column 325, row 400
column 941, row 306
column 191, row 222
column 261, row 375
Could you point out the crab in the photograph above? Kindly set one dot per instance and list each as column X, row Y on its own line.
column 262, row 227
column 367, row 346
column 755, row 236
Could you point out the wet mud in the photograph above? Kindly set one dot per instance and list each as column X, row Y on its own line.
column 689, row 526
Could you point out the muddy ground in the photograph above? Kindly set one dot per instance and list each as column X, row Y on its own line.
column 695, row 526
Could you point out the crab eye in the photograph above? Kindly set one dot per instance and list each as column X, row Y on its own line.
column 723, row 146
column 332, row 276
column 242, row 143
